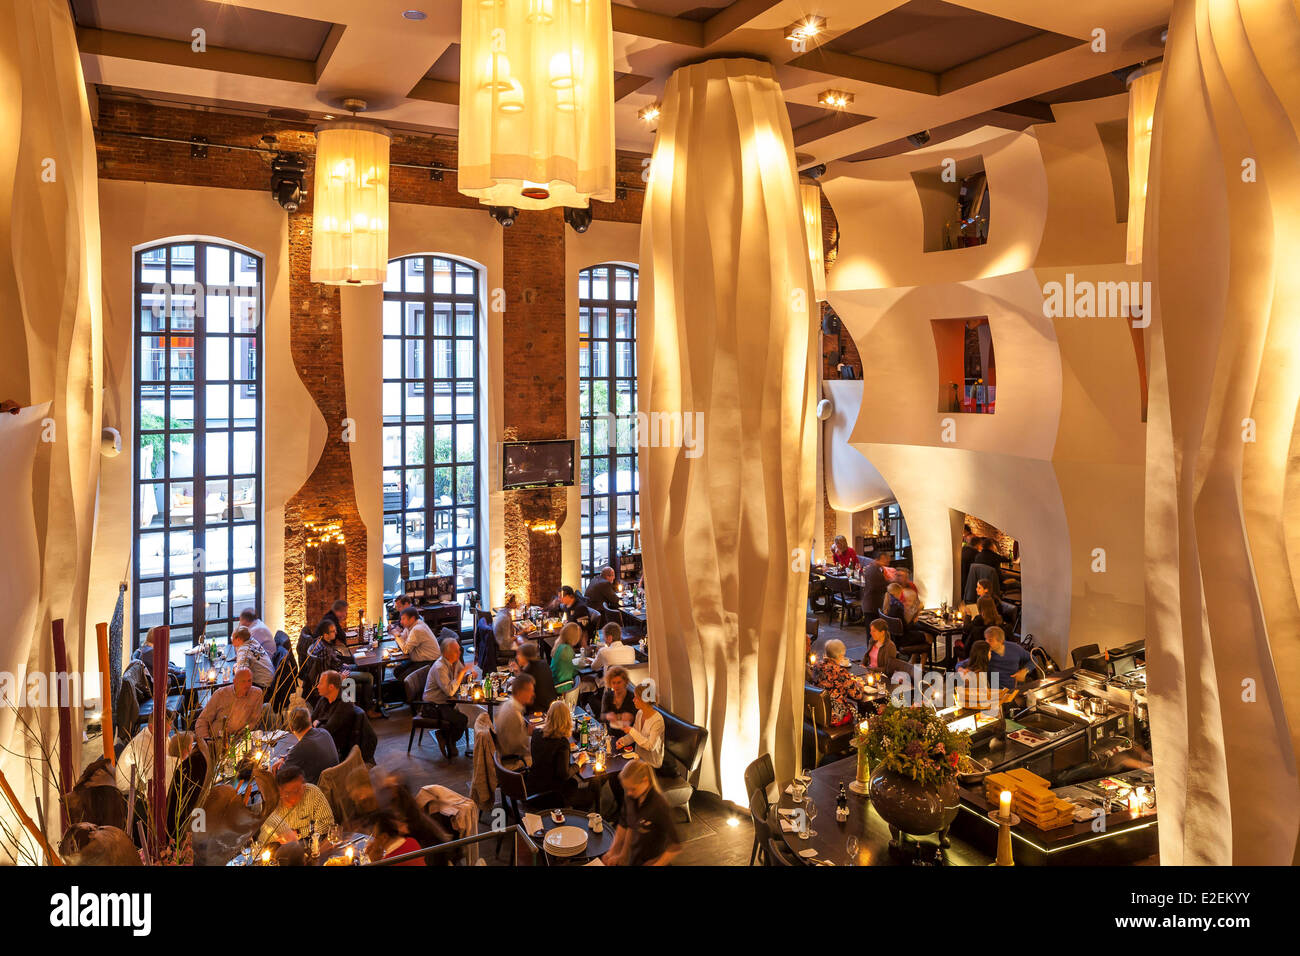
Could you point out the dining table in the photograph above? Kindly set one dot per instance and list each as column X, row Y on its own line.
column 597, row 843
column 863, row 839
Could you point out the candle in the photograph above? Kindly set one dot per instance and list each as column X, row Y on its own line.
column 812, row 658
column 1004, row 803
column 212, row 676
column 1134, row 802
column 266, row 857
column 349, row 853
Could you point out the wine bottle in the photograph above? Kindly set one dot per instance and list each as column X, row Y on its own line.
column 842, row 805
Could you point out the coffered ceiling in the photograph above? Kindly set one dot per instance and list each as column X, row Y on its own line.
column 910, row 65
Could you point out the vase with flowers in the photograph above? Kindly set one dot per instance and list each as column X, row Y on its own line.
column 915, row 759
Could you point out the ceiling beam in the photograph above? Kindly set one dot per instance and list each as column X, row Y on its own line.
column 130, row 46
column 656, row 26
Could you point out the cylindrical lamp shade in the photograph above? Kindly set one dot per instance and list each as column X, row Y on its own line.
column 349, row 233
column 811, row 197
column 725, row 352
column 536, row 102
column 1141, row 115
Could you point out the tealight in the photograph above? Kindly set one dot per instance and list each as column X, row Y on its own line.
column 349, row 853
column 266, row 857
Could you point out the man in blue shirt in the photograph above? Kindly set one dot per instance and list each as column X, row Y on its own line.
column 1011, row 662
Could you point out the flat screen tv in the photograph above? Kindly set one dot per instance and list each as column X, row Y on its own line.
column 537, row 464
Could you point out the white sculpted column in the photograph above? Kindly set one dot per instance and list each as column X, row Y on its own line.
column 726, row 349
column 1223, row 467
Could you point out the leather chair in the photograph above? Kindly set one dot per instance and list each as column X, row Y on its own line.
column 684, row 741
column 1080, row 654
column 812, row 627
column 827, row 740
column 759, row 776
column 413, row 688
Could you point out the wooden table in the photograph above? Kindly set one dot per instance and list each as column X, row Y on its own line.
column 863, row 822
column 933, row 625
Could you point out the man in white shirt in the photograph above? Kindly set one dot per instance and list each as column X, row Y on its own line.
column 416, row 641
column 513, row 738
column 613, row 651
column 258, row 630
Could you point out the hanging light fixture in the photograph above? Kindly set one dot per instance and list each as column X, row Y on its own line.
column 1143, row 85
column 811, row 198
column 536, row 102
column 350, row 213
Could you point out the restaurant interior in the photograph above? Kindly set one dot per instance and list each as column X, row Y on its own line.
column 848, row 433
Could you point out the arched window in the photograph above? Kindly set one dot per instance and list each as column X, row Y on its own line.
column 198, row 427
column 432, row 523
column 607, row 412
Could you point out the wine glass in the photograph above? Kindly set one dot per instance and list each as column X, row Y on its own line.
column 851, row 845
column 797, row 790
column 810, row 809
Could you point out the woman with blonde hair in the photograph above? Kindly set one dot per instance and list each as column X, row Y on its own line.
column 843, row 555
column 647, row 835
column 552, row 772
column 564, row 673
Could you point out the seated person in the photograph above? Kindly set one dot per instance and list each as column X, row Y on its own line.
column 416, row 642
column 1010, row 661
column 333, row 713
column 427, row 829
column 910, row 595
column 646, row 735
column 315, row 750
column 647, row 835
column 338, row 614
column 528, row 660
column 974, row 686
column 231, row 709
column 302, row 810
column 602, row 592
column 333, row 655
column 575, row 609
column 259, row 631
column 389, row 838
column 145, row 655
column 447, row 679
column 987, row 616
column 552, row 771
column 842, row 554
column 564, row 673
column 831, row 674
column 400, row 604
column 613, row 651
column 511, row 725
column 250, row 654
column 914, row 639
column 618, row 705
column 882, row 654
column 503, row 626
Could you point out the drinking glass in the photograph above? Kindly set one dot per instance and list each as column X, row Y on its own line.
column 851, row 845
column 797, row 790
column 810, row 809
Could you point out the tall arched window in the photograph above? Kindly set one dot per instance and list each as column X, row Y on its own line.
column 432, row 523
column 198, row 427
column 607, row 410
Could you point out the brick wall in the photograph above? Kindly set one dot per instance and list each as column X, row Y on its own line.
column 533, row 323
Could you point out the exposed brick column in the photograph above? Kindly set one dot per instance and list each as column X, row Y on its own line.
column 534, row 330
column 316, row 344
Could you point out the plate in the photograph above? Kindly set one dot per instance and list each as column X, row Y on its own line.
column 565, row 841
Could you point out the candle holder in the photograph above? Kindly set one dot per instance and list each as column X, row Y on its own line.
column 862, row 780
column 1004, row 836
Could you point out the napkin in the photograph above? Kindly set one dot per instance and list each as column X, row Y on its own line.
column 596, row 862
column 808, row 853
column 788, row 826
column 532, row 822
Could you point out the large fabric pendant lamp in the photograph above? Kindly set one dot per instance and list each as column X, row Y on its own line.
column 536, row 102
column 1143, row 85
column 350, row 206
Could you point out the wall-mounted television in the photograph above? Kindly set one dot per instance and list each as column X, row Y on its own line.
column 537, row 464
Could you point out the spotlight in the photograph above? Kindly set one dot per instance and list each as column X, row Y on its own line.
column 287, row 172
column 805, row 29
column 834, row 99
column 830, row 323
column 506, row 215
column 919, row 139
column 414, row 14
column 579, row 219
column 815, row 172
column 649, row 113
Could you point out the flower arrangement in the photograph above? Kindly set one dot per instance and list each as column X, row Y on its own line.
column 915, row 742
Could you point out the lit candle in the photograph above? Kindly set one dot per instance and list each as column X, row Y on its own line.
column 1005, row 805
column 812, row 658
column 266, row 857
column 1134, row 801
column 212, row 676
column 349, row 853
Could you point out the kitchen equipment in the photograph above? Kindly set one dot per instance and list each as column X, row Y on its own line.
column 1096, row 707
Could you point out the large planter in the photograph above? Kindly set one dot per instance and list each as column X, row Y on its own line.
column 913, row 808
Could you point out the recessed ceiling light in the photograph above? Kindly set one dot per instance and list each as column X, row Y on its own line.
column 414, row 14
column 806, row 28
column 650, row 113
column 329, row 116
column 835, row 99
